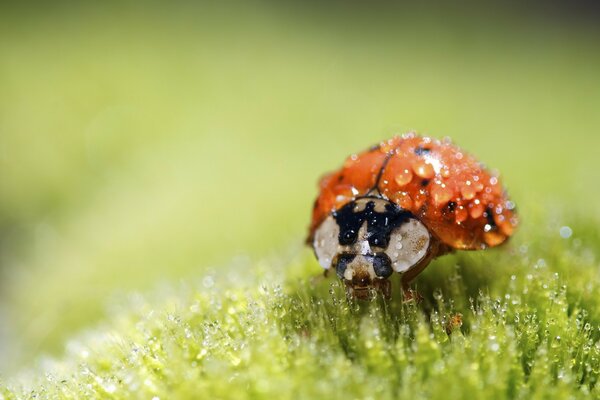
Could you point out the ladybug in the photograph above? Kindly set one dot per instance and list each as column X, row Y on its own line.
column 400, row 204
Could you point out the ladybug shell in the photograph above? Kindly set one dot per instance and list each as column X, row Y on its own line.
column 459, row 201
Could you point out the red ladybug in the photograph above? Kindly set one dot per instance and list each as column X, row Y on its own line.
column 400, row 204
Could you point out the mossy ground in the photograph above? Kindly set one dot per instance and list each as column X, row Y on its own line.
column 530, row 329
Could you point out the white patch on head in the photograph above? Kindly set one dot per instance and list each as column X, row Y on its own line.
column 326, row 242
column 348, row 273
column 362, row 245
column 408, row 245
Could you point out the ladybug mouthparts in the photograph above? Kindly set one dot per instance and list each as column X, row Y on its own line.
column 362, row 284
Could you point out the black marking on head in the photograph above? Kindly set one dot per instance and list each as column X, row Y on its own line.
column 341, row 262
column 382, row 265
column 379, row 224
column 421, row 151
column 424, row 182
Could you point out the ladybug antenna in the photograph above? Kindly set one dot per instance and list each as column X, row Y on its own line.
column 374, row 191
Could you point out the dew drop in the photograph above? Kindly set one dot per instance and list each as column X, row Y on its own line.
column 467, row 191
column 565, row 232
column 423, row 170
column 493, row 238
column 404, row 177
column 403, row 199
column 441, row 194
column 506, row 227
column 476, row 210
column 208, row 282
column 461, row 214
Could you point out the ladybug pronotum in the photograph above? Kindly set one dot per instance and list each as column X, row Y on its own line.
column 399, row 205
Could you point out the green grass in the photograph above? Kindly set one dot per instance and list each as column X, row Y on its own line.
column 531, row 329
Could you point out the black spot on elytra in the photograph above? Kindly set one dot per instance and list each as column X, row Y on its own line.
column 379, row 224
column 341, row 177
column 489, row 216
column 421, row 151
column 451, row 206
column 425, row 182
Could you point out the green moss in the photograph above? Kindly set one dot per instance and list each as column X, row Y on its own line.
column 530, row 329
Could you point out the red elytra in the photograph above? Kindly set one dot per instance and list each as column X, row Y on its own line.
column 458, row 200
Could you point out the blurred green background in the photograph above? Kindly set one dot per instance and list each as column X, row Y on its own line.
column 148, row 142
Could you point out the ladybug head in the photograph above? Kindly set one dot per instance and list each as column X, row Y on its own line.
column 368, row 239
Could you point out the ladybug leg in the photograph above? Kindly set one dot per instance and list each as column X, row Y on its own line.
column 386, row 289
column 408, row 293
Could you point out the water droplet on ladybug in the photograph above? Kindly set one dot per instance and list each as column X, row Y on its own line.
column 404, row 177
column 423, row 170
column 476, row 210
column 403, row 199
column 506, row 228
column 441, row 194
column 467, row 191
column 493, row 238
column 461, row 214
